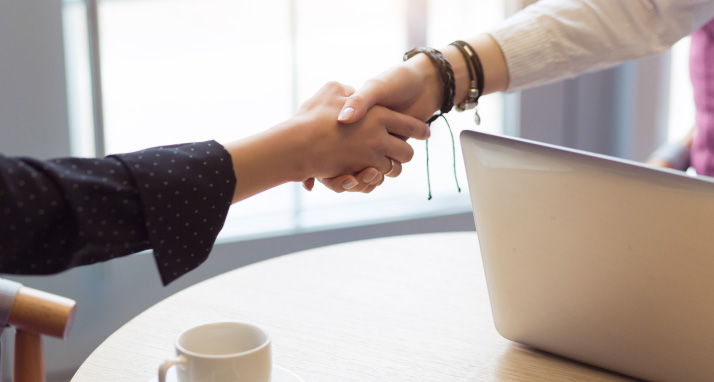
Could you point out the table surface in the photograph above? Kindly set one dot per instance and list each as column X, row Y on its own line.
column 409, row 308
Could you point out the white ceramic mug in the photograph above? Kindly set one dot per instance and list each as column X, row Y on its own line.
column 221, row 352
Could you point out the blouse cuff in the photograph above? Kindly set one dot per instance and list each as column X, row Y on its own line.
column 186, row 191
column 525, row 46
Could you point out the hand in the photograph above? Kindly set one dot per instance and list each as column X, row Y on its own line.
column 412, row 88
column 314, row 144
column 365, row 181
column 659, row 163
column 337, row 149
column 674, row 155
column 415, row 88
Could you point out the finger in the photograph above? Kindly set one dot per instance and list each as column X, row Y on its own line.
column 308, row 184
column 363, row 178
column 343, row 183
column 371, row 175
column 403, row 125
column 349, row 90
column 366, row 177
column 395, row 171
column 358, row 103
column 334, row 184
column 397, row 149
column 378, row 180
column 369, row 189
column 346, row 183
column 372, row 187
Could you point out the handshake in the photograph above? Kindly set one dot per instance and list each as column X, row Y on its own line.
column 347, row 140
column 354, row 156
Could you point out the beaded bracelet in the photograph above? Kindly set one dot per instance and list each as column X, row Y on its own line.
column 447, row 77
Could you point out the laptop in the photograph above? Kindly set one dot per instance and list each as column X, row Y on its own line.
column 598, row 259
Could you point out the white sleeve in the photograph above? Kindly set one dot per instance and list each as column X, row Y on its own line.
column 556, row 39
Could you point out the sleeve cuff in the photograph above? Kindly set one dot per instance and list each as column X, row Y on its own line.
column 525, row 46
column 185, row 191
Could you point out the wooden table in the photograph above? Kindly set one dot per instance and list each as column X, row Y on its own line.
column 409, row 308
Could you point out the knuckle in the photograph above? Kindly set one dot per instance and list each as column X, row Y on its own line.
column 378, row 180
column 423, row 130
column 378, row 85
column 409, row 154
column 397, row 170
column 381, row 144
column 334, row 86
column 381, row 115
column 412, row 129
column 357, row 99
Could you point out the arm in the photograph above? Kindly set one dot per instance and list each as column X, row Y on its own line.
column 550, row 40
column 547, row 41
column 313, row 144
column 556, row 39
column 63, row 213
column 674, row 155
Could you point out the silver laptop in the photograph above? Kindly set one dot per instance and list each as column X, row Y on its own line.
column 602, row 260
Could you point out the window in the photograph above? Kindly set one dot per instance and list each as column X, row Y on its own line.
column 681, row 98
column 185, row 70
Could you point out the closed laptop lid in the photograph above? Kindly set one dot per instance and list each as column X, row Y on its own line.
column 598, row 259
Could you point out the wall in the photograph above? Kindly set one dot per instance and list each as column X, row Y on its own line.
column 622, row 111
column 33, row 103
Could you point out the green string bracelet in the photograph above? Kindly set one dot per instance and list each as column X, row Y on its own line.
column 453, row 152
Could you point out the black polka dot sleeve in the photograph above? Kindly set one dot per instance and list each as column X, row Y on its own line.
column 63, row 213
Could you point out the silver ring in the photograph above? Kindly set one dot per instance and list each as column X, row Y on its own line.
column 391, row 168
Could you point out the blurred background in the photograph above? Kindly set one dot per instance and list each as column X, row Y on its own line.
column 95, row 77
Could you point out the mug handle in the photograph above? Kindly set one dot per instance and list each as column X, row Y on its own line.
column 164, row 368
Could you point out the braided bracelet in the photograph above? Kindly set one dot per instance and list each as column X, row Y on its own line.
column 447, row 77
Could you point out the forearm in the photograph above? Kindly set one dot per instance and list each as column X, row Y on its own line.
column 494, row 66
column 493, row 63
column 556, row 39
column 267, row 160
column 63, row 213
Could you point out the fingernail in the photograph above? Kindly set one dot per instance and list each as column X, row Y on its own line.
column 345, row 114
column 349, row 183
column 370, row 175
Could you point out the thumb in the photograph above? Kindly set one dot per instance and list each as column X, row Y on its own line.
column 358, row 103
column 308, row 183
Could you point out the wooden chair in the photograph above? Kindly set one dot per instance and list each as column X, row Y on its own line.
column 35, row 313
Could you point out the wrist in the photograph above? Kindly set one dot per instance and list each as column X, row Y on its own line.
column 422, row 66
column 290, row 140
column 461, row 73
column 268, row 159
